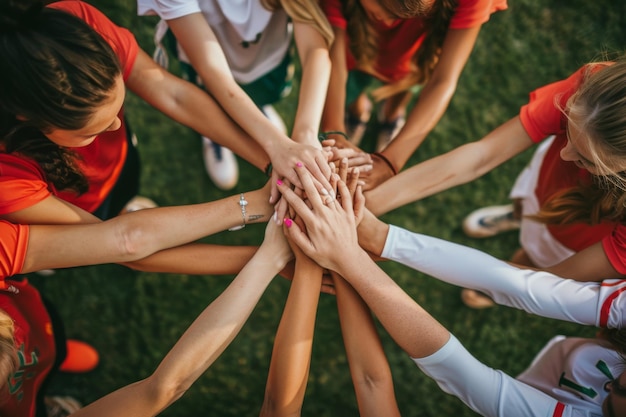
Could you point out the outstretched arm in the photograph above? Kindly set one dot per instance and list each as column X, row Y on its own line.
column 291, row 356
column 369, row 368
column 136, row 235
column 459, row 166
column 204, row 340
column 183, row 100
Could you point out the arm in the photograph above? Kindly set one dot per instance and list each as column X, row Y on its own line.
column 206, row 55
column 291, row 356
column 315, row 62
column 590, row 264
column 192, row 107
column 536, row 292
column 435, row 96
column 134, row 236
column 369, row 368
column 203, row 342
column 334, row 107
column 459, row 166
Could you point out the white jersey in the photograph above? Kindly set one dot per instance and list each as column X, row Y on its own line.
column 567, row 379
column 254, row 39
column 601, row 304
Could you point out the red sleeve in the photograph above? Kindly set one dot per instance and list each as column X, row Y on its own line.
column 334, row 14
column 542, row 116
column 121, row 40
column 22, row 182
column 472, row 13
column 614, row 245
column 13, row 245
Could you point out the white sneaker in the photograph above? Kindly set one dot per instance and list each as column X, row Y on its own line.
column 387, row 131
column 490, row 221
column 138, row 203
column 270, row 112
column 220, row 164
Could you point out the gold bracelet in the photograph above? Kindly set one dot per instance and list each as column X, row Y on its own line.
column 242, row 203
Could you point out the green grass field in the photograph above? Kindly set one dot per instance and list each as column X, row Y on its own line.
column 134, row 318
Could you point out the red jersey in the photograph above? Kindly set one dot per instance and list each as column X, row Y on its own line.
column 541, row 118
column 34, row 339
column 24, row 184
column 398, row 42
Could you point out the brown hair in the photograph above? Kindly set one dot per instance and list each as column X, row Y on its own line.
column 55, row 70
column 304, row 11
column 8, row 351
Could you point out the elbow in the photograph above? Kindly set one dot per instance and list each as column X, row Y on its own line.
column 134, row 243
column 162, row 393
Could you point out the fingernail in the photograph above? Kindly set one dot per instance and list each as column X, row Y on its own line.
column 332, row 195
column 299, row 164
column 279, row 182
column 323, row 192
column 288, row 222
column 274, row 216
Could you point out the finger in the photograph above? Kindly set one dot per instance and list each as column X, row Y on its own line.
column 328, row 143
column 359, row 159
column 296, row 203
column 353, row 180
column 346, row 198
column 323, row 172
column 359, row 204
column 298, row 237
column 274, row 194
column 343, row 169
column 308, row 185
column 281, row 211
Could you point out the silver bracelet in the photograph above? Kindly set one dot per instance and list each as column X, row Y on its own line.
column 242, row 203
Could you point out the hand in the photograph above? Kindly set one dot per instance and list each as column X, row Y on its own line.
column 330, row 236
column 380, row 173
column 286, row 155
column 372, row 233
column 276, row 244
column 350, row 176
column 356, row 157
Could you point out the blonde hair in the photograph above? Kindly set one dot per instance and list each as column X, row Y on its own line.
column 8, row 351
column 304, row 11
column 598, row 109
column 364, row 41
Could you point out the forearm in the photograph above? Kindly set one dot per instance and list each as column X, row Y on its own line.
column 197, row 349
column 291, row 356
column 334, row 107
column 315, row 63
column 413, row 329
column 197, row 259
column 536, row 292
column 369, row 368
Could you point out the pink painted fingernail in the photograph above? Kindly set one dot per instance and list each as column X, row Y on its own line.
column 299, row 164
column 288, row 222
column 279, row 182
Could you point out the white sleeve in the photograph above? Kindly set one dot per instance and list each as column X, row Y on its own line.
column 485, row 390
column 537, row 292
column 167, row 9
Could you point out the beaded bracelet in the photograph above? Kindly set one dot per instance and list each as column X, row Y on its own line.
column 242, row 203
column 387, row 161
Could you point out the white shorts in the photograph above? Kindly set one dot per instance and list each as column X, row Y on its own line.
column 535, row 238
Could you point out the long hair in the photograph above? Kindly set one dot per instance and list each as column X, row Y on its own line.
column 364, row 41
column 598, row 110
column 304, row 11
column 55, row 70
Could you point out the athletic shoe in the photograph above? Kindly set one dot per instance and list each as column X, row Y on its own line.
column 387, row 131
column 138, row 203
column 490, row 221
column 270, row 112
column 80, row 357
column 476, row 299
column 45, row 272
column 220, row 164
column 61, row 406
